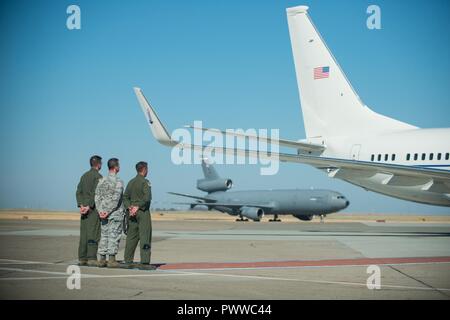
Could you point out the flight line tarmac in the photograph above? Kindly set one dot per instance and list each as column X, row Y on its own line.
column 210, row 256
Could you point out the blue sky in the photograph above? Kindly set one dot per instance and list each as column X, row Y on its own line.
column 66, row 95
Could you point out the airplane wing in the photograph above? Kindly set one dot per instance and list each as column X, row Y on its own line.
column 427, row 179
column 189, row 196
column 162, row 136
column 234, row 205
column 213, row 203
column 306, row 146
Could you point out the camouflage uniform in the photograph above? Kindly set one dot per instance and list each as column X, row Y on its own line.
column 108, row 198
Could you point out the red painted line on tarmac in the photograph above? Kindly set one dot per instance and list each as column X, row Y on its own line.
column 302, row 263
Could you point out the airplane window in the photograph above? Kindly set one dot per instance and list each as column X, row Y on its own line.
column 379, row 157
column 415, row 156
column 439, row 156
column 447, row 155
column 431, row 156
column 424, row 156
column 385, row 157
column 393, row 157
column 408, row 156
column 372, row 157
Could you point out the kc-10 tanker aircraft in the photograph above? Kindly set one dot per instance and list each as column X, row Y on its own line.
column 344, row 138
column 254, row 204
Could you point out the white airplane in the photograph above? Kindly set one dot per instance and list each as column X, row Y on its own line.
column 344, row 137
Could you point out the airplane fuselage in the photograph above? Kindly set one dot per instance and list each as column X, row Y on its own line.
column 422, row 148
column 285, row 202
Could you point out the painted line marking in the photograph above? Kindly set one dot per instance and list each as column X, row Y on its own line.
column 318, row 281
column 12, row 261
column 304, row 263
column 277, row 264
column 93, row 276
column 168, row 272
column 64, row 275
column 305, row 267
column 181, row 273
column 33, row 271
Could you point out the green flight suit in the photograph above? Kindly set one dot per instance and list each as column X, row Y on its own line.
column 90, row 222
column 138, row 193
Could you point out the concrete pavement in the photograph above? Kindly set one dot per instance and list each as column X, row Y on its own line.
column 215, row 259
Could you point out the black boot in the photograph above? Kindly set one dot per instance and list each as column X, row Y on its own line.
column 146, row 266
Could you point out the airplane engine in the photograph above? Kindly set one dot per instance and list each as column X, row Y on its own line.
column 305, row 218
column 214, row 185
column 252, row 213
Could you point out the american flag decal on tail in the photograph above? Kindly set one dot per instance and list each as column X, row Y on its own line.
column 321, row 72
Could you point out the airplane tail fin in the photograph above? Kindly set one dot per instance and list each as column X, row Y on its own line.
column 212, row 181
column 330, row 105
column 209, row 171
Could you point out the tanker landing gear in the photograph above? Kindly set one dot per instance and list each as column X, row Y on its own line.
column 241, row 219
column 322, row 217
column 275, row 219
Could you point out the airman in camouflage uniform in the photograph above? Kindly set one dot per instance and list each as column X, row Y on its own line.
column 108, row 200
column 89, row 222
